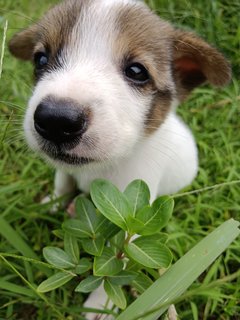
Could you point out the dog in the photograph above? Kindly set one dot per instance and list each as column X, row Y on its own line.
column 109, row 77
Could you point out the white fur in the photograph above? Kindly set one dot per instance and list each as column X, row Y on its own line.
column 166, row 160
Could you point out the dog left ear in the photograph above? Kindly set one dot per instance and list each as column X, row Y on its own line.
column 196, row 62
column 22, row 44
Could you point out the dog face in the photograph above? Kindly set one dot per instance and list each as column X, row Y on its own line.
column 107, row 74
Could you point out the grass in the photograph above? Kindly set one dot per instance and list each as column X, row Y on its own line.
column 213, row 115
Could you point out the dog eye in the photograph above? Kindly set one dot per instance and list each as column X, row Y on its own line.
column 137, row 73
column 40, row 60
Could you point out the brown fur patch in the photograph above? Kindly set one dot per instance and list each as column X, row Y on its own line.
column 159, row 109
column 144, row 38
column 196, row 62
column 52, row 31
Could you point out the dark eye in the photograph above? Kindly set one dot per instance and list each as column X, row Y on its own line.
column 40, row 60
column 137, row 73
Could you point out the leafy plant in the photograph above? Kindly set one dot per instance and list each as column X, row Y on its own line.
column 100, row 247
column 105, row 235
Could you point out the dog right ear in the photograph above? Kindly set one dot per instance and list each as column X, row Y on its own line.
column 22, row 44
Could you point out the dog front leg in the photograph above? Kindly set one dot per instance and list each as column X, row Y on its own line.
column 63, row 184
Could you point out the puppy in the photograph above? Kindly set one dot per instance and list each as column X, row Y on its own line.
column 109, row 76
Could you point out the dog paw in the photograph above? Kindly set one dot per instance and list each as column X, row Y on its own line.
column 55, row 206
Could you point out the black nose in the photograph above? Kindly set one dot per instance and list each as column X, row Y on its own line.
column 60, row 120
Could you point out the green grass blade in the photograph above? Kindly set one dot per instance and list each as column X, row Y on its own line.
column 18, row 243
column 182, row 274
column 3, row 47
column 14, row 288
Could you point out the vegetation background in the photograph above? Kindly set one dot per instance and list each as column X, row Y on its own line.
column 213, row 115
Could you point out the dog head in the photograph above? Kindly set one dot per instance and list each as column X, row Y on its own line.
column 107, row 73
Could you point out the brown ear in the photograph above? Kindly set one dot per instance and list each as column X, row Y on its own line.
column 196, row 62
column 22, row 43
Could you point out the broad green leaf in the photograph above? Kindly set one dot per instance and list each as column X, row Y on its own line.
column 117, row 242
column 134, row 225
column 142, row 282
column 155, row 217
column 149, row 253
column 115, row 293
column 58, row 258
column 54, row 282
column 83, row 266
column 123, row 278
column 71, row 247
column 172, row 284
column 77, row 228
column 165, row 205
column 111, row 202
column 93, row 246
column 94, row 221
column 138, row 195
column 86, row 212
column 158, row 237
column 89, row 284
column 107, row 264
column 59, row 233
column 105, row 227
column 133, row 266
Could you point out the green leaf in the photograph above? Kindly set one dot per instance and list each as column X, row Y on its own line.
column 171, row 285
column 138, row 195
column 77, row 228
column 142, row 282
column 165, row 206
column 107, row 264
column 83, row 266
column 149, row 253
column 105, row 227
column 133, row 266
column 117, row 242
column 86, row 212
column 158, row 237
column 58, row 258
column 115, row 293
column 123, row 278
column 59, row 233
column 111, row 202
column 89, row 284
column 157, row 216
column 94, row 246
column 92, row 220
column 71, row 247
column 54, row 282
column 134, row 225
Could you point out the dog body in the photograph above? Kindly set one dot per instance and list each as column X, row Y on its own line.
column 166, row 160
column 109, row 76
